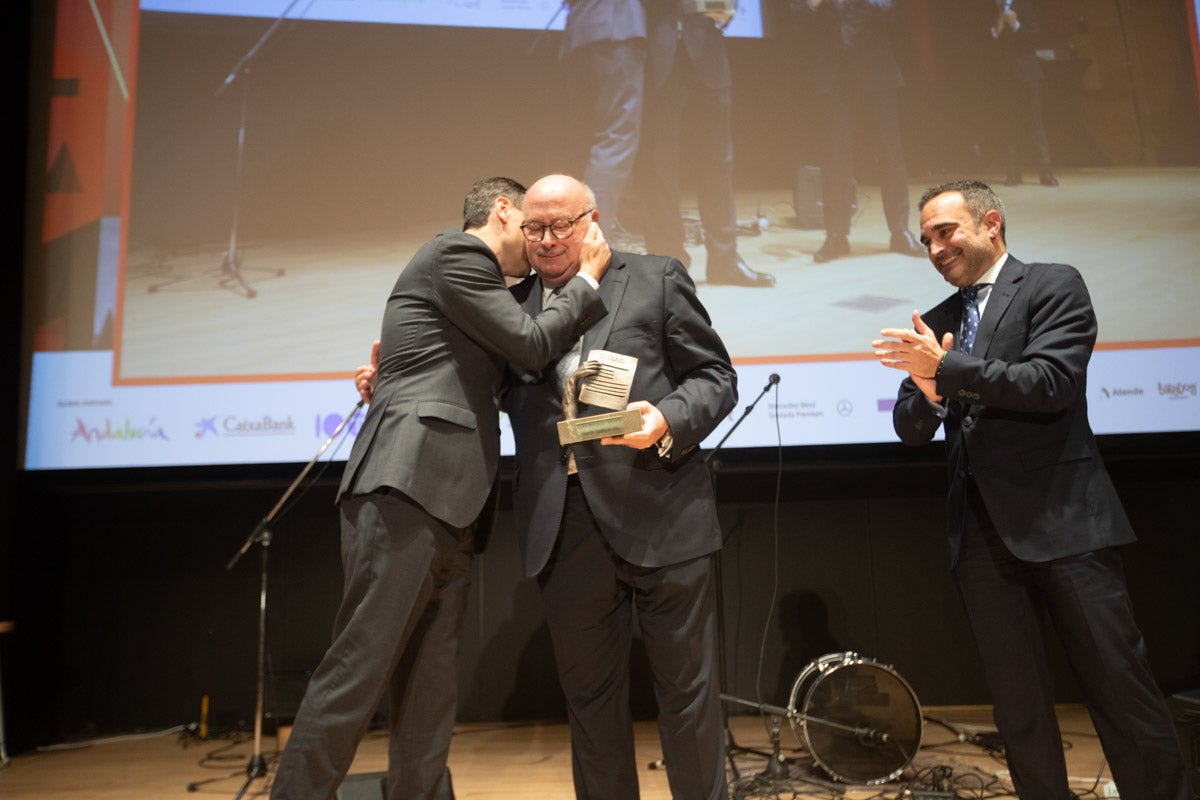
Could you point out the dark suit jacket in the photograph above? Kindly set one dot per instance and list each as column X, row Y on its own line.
column 432, row 431
column 1017, row 50
column 691, row 36
column 848, row 48
column 1018, row 419
column 591, row 21
column 653, row 511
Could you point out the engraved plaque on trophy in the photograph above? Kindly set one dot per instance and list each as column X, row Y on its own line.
column 603, row 380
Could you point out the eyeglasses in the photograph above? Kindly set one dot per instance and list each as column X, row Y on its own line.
column 560, row 228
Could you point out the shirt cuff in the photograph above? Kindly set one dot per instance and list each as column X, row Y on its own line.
column 595, row 284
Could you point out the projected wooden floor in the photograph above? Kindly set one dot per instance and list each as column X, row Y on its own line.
column 530, row 762
column 318, row 303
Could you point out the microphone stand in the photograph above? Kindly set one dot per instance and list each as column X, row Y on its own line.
column 776, row 770
column 230, row 270
column 772, row 381
column 731, row 746
column 541, row 34
column 257, row 766
column 231, row 262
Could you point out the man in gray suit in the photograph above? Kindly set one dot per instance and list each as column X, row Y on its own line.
column 626, row 523
column 1033, row 517
column 414, row 487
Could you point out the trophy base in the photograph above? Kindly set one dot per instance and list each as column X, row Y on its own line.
column 597, row 426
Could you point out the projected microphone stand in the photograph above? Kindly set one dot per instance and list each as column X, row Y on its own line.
column 231, row 261
column 732, row 748
column 257, row 766
column 230, row 270
column 541, row 34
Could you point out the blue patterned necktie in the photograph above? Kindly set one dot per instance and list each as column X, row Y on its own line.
column 970, row 297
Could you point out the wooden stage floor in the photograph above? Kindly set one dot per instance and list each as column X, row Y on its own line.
column 531, row 761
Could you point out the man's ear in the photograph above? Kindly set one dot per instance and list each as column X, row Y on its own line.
column 503, row 208
column 992, row 220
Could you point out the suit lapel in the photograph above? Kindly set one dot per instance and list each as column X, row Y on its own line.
column 1001, row 296
column 612, row 289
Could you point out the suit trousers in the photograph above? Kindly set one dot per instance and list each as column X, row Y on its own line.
column 710, row 139
column 1023, row 125
column 590, row 597
column 838, row 169
column 1009, row 603
column 407, row 575
column 616, row 84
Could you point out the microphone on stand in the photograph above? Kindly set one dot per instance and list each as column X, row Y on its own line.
column 868, row 735
column 772, row 380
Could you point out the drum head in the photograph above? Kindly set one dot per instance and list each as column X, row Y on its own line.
column 859, row 720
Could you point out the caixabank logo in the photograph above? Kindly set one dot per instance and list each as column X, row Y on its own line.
column 126, row 430
column 236, row 425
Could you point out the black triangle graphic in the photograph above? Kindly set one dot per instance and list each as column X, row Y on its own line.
column 62, row 177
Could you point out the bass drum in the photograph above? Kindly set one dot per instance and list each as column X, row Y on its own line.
column 858, row 719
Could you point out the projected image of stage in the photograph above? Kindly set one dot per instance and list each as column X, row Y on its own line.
column 232, row 195
column 318, row 302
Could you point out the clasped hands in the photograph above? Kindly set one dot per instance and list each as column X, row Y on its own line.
column 915, row 350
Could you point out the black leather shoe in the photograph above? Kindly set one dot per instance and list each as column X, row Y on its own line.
column 906, row 244
column 1047, row 178
column 834, row 247
column 739, row 275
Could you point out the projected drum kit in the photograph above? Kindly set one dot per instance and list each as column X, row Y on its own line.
column 858, row 720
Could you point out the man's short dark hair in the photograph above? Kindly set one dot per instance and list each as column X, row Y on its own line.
column 977, row 195
column 482, row 196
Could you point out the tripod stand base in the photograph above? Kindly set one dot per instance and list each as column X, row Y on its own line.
column 776, row 778
column 765, row 786
column 229, row 275
column 257, row 768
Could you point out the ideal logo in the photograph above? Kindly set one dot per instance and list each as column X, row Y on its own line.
column 327, row 423
column 126, row 432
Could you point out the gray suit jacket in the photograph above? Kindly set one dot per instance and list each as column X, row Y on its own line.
column 1017, row 422
column 432, row 430
column 654, row 511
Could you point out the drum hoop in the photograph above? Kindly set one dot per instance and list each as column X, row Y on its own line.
column 822, row 667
